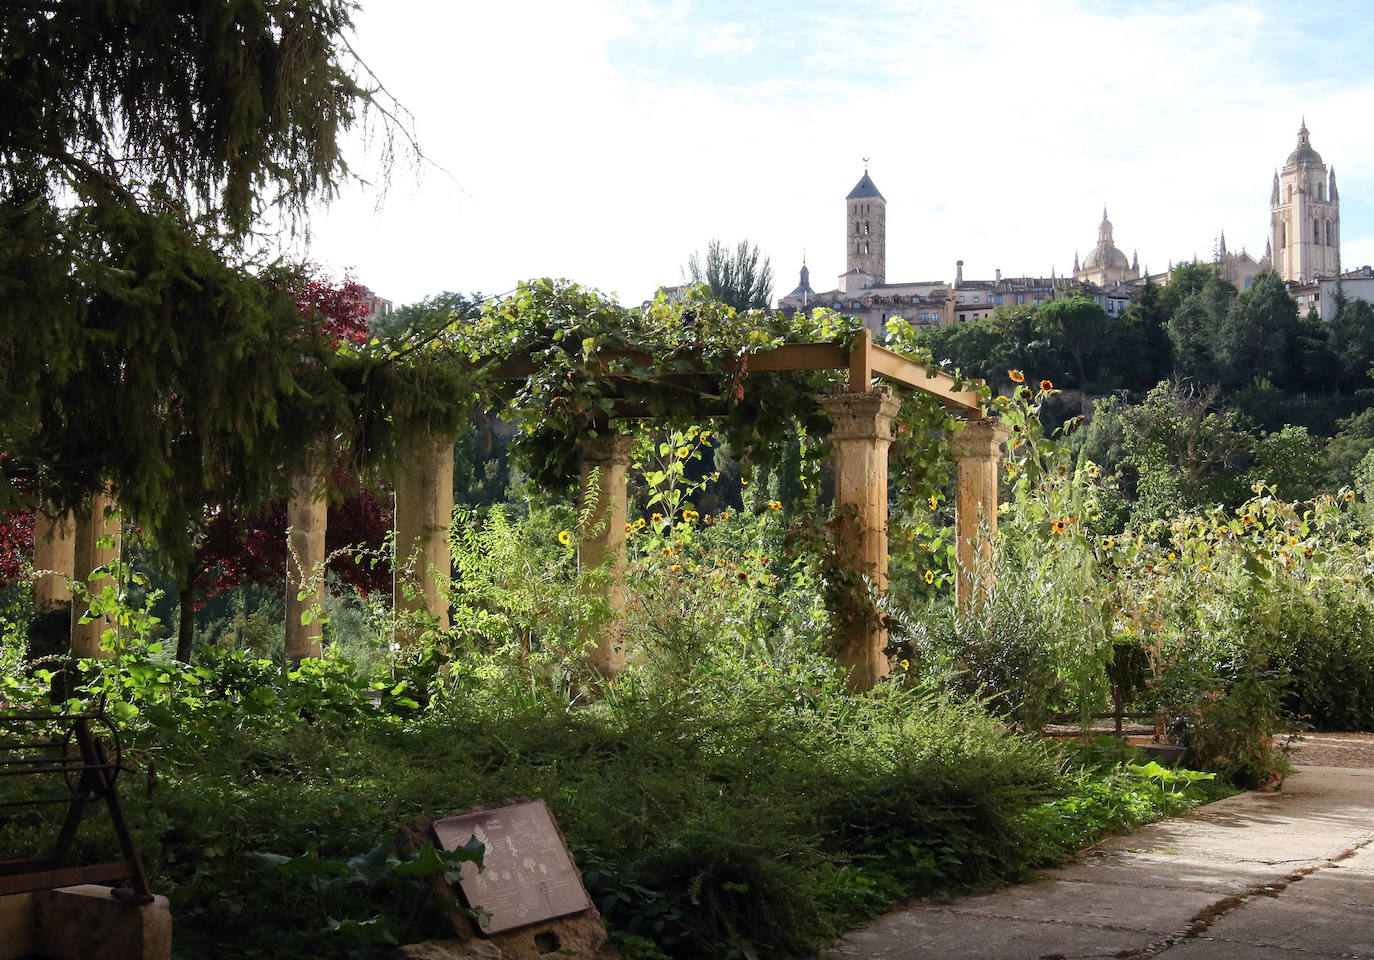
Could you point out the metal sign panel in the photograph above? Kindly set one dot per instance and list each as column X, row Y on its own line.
column 528, row 875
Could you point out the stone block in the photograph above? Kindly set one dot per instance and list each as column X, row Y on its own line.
column 84, row 923
column 16, row 926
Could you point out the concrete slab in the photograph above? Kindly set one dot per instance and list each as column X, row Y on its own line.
column 1331, row 929
column 1156, row 910
column 1221, row 876
column 1224, row 950
column 1228, row 875
column 1334, row 884
column 932, row 934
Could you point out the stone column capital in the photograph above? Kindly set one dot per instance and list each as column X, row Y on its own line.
column 861, row 416
column 606, row 447
column 980, row 440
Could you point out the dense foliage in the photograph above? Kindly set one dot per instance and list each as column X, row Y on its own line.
column 145, row 351
column 725, row 798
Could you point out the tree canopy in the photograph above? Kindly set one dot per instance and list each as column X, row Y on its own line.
column 144, row 350
column 735, row 278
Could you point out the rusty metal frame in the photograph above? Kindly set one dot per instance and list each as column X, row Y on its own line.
column 88, row 772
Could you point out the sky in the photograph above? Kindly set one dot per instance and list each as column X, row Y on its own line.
column 605, row 141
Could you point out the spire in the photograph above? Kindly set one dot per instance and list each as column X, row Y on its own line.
column 865, row 188
column 1331, row 191
column 1223, row 243
column 1135, row 262
column 1075, row 261
column 1274, row 197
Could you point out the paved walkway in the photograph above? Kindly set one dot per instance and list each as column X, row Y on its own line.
column 1286, row 875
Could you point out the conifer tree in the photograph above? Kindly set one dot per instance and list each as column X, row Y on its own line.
column 143, row 350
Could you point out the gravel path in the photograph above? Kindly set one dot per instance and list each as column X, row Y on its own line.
column 1349, row 750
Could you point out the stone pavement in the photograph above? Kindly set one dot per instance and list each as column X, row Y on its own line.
column 1287, row 875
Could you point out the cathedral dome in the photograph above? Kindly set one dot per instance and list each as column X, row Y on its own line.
column 1106, row 256
column 1303, row 153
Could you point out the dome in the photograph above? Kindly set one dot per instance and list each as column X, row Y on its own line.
column 1303, row 153
column 1104, row 256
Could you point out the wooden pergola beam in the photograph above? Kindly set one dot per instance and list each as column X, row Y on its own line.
column 898, row 369
column 863, row 361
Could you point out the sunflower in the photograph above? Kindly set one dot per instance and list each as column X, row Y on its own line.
column 657, row 518
column 1016, row 376
column 932, row 501
column 565, row 538
column 930, row 576
column 1046, row 385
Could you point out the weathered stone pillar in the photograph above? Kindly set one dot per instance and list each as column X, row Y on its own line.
column 54, row 550
column 861, row 435
column 605, row 461
column 977, row 451
column 307, row 512
column 424, row 515
column 97, row 544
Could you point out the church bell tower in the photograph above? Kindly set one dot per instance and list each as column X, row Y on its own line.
column 1305, row 216
column 866, row 219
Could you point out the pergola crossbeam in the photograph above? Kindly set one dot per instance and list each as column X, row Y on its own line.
column 863, row 361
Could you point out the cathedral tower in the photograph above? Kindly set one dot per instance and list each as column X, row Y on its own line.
column 1305, row 216
column 866, row 219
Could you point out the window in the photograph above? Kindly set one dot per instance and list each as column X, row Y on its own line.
column 1316, row 231
column 1283, row 236
column 1330, row 234
column 865, row 228
column 975, row 298
column 1020, row 298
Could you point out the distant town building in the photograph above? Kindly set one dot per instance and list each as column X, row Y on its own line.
column 1304, row 247
column 376, row 306
column 1240, row 269
column 862, row 291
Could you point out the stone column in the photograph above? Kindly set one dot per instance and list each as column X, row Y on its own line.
column 861, row 435
column 605, row 461
column 54, row 550
column 307, row 511
column 977, row 451
column 96, row 545
column 424, row 516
